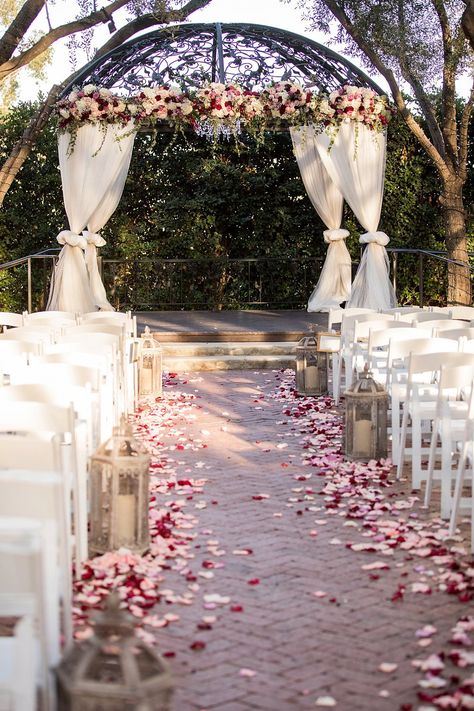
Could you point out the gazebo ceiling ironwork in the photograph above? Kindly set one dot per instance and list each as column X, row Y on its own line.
column 247, row 54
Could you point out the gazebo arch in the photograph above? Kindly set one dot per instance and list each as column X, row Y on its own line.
column 246, row 54
column 224, row 61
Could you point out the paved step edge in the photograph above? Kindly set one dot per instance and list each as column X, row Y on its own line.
column 183, row 364
column 229, row 349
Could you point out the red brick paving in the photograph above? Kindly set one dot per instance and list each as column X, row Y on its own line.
column 299, row 647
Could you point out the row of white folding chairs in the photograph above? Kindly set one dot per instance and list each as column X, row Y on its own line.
column 37, row 340
column 431, row 395
column 45, row 441
column 31, row 589
column 67, row 318
column 366, row 337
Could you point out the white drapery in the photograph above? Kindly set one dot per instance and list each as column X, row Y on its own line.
column 356, row 164
column 93, row 176
column 334, row 283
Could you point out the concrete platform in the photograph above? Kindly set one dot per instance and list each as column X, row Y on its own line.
column 215, row 326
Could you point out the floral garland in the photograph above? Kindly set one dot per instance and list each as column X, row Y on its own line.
column 218, row 110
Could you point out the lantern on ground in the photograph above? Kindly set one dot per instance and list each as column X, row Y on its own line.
column 119, row 484
column 113, row 670
column 366, row 418
column 149, row 365
column 313, row 362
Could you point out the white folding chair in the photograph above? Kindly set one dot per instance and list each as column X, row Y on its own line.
column 40, row 495
column 92, row 355
column 420, row 406
column 37, row 334
column 29, row 584
column 348, row 349
column 466, row 460
column 124, row 318
column 8, row 319
column 399, row 351
column 465, row 313
column 36, row 417
column 39, row 315
column 446, row 324
column 399, row 310
column 448, row 426
column 14, row 354
column 420, row 316
column 61, row 384
column 18, row 665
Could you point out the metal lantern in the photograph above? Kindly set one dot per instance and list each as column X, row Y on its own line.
column 119, row 482
column 366, row 418
column 312, row 365
column 113, row 670
column 149, row 365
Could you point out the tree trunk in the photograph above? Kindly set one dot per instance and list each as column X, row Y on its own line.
column 459, row 275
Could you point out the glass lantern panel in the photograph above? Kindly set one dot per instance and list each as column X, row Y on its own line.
column 127, row 503
column 101, row 504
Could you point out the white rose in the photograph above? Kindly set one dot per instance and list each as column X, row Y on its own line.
column 72, row 97
column 64, row 113
column 186, row 108
column 89, row 89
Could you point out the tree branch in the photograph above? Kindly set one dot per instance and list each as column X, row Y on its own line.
column 420, row 94
column 449, row 84
column 70, row 28
column 464, row 133
column 148, row 20
column 13, row 35
column 386, row 72
column 467, row 22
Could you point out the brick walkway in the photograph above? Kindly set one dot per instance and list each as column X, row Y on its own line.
column 263, row 544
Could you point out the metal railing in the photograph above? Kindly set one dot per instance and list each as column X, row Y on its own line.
column 216, row 282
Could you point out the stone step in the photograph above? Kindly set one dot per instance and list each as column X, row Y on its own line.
column 252, row 348
column 184, row 364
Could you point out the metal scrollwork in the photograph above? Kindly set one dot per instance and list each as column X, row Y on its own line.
column 250, row 55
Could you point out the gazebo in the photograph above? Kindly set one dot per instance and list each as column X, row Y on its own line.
column 340, row 155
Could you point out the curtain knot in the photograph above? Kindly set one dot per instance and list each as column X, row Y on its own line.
column 72, row 239
column 335, row 235
column 93, row 238
column 374, row 238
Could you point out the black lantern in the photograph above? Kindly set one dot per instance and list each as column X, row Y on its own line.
column 366, row 418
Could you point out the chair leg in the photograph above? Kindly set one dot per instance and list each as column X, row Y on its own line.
column 336, row 377
column 431, row 463
column 446, row 470
column 416, row 473
column 458, row 489
column 403, row 441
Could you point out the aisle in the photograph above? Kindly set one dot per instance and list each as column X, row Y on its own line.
column 262, row 602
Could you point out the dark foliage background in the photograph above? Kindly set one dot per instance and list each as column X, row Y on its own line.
column 185, row 199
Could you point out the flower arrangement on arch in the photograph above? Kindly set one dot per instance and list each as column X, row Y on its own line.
column 92, row 104
column 360, row 104
column 216, row 110
column 289, row 102
column 160, row 103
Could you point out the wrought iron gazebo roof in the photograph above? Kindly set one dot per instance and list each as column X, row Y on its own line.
column 251, row 55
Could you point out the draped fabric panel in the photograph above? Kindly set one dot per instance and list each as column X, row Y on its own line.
column 356, row 164
column 334, row 283
column 93, row 174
